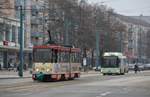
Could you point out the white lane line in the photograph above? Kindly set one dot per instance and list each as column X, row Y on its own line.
column 89, row 75
column 105, row 93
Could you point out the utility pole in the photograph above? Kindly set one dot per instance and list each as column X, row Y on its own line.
column 121, row 42
column 140, row 40
column 97, row 49
column 21, row 44
column 66, row 31
column 43, row 20
column 97, row 43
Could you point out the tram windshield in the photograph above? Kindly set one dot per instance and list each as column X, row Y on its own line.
column 42, row 55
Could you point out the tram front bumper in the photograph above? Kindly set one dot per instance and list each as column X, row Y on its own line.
column 38, row 76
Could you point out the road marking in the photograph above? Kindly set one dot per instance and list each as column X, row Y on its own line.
column 89, row 75
column 104, row 94
column 37, row 87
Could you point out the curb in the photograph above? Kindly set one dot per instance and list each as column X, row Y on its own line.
column 3, row 78
column 17, row 77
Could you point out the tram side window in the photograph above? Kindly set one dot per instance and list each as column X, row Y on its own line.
column 59, row 59
column 72, row 57
column 61, row 56
column 54, row 58
column 64, row 57
column 78, row 57
column 75, row 57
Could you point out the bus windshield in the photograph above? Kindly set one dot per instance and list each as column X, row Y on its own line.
column 42, row 55
column 110, row 62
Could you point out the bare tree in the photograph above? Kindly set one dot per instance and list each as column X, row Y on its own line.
column 82, row 24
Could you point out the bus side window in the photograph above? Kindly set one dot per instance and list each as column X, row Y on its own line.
column 102, row 62
column 118, row 61
column 125, row 61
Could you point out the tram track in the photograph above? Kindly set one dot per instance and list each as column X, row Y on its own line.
column 37, row 86
column 32, row 86
column 29, row 86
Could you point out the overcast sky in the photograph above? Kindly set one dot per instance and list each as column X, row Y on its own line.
column 128, row 7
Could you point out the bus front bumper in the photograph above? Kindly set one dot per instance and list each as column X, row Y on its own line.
column 110, row 70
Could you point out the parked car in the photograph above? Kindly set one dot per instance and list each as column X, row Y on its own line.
column 97, row 69
column 147, row 66
column 131, row 66
column 141, row 66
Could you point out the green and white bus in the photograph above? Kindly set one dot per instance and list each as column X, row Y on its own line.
column 114, row 63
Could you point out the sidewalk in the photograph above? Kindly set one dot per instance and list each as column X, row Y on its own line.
column 14, row 75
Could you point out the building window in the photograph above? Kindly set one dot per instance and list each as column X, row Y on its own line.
column 1, row 31
column 7, row 32
column 19, row 34
column 1, row 36
column 13, row 33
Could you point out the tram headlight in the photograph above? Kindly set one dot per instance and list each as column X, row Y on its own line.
column 37, row 70
column 48, row 70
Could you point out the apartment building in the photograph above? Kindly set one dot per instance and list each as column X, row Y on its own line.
column 136, row 30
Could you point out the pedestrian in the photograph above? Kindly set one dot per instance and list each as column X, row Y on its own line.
column 0, row 66
column 12, row 66
column 18, row 67
column 25, row 67
column 9, row 66
column 15, row 67
column 136, row 68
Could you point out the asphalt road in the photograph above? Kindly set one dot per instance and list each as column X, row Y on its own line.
column 129, row 85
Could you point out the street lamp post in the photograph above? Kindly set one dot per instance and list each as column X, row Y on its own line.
column 97, row 49
column 66, row 31
column 97, row 43
column 140, row 40
column 121, row 42
column 21, row 44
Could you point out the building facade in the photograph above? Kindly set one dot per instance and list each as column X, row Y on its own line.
column 136, row 30
column 9, row 35
column 39, row 21
column 50, row 15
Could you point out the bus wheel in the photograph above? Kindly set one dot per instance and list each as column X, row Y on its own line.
column 121, row 73
column 127, row 71
column 104, row 73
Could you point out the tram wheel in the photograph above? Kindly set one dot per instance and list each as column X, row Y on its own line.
column 63, row 77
